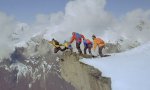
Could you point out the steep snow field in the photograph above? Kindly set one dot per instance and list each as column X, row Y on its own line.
column 128, row 70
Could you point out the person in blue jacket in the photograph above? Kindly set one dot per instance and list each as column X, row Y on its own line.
column 87, row 45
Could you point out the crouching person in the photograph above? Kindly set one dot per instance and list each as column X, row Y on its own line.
column 87, row 45
column 57, row 46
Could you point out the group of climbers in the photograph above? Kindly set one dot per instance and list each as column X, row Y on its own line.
column 97, row 42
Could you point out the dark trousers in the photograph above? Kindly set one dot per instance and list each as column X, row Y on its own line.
column 89, row 47
column 78, row 47
column 65, row 48
column 100, row 51
column 56, row 49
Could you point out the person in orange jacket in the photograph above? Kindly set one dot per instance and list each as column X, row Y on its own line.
column 78, row 38
column 100, row 43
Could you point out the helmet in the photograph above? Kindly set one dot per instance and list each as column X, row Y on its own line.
column 93, row 36
column 53, row 39
column 73, row 33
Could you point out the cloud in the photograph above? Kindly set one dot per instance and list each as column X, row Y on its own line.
column 7, row 25
column 90, row 17
column 84, row 16
column 134, row 26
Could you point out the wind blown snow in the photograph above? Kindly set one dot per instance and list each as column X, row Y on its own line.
column 128, row 70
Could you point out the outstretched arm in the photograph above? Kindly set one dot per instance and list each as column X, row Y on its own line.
column 82, row 36
column 94, row 46
column 61, row 44
column 72, row 39
column 50, row 42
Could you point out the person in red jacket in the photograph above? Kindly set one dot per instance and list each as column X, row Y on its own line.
column 78, row 38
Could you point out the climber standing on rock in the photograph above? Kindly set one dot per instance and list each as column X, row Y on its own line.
column 100, row 43
column 78, row 37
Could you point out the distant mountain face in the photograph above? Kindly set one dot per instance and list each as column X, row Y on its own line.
column 33, row 67
column 120, row 46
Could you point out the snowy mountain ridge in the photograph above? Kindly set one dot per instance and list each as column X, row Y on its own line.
column 37, row 65
column 31, row 68
column 128, row 70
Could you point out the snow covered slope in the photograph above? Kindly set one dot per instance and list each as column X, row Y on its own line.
column 128, row 70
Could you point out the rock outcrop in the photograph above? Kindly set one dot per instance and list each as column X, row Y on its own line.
column 82, row 76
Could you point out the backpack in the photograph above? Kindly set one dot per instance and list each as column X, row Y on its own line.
column 88, row 41
column 56, row 42
column 78, row 36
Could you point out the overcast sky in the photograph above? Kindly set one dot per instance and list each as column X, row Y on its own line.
column 26, row 10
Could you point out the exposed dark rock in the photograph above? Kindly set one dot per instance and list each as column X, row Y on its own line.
column 34, row 67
